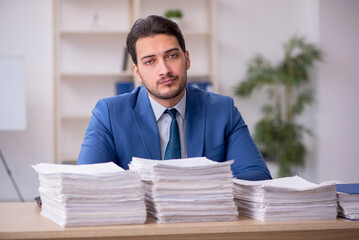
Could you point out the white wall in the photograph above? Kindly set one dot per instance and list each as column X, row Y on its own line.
column 244, row 28
column 338, row 88
column 25, row 30
column 247, row 27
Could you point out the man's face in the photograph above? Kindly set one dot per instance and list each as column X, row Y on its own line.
column 162, row 68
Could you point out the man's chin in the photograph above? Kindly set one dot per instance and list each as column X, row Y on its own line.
column 167, row 94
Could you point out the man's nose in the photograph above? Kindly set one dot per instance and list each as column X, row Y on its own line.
column 163, row 68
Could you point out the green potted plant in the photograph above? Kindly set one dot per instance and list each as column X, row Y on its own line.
column 278, row 134
column 174, row 14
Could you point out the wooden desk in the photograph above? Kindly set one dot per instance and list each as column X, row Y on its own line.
column 23, row 221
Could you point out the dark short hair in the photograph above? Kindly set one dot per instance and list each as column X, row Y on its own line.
column 152, row 25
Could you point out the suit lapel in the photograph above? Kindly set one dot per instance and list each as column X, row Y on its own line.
column 147, row 126
column 195, row 124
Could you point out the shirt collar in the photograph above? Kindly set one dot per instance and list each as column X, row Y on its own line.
column 158, row 109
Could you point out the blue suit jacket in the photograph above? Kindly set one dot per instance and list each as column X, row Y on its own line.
column 124, row 126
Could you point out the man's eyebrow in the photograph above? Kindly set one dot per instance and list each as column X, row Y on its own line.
column 147, row 56
column 167, row 51
column 172, row 49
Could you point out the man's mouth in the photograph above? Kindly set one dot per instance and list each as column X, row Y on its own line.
column 168, row 81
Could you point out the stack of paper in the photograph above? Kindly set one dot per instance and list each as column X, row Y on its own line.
column 187, row 190
column 282, row 199
column 348, row 200
column 93, row 194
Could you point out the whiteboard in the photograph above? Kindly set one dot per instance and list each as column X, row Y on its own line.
column 12, row 93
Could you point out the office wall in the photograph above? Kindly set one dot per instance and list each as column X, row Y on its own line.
column 25, row 30
column 248, row 27
column 338, row 85
column 244, row 28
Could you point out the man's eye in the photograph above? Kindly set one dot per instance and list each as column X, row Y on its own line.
column 173, row 55
column 149, row 62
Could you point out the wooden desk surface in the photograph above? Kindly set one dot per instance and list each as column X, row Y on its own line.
column 23, row 221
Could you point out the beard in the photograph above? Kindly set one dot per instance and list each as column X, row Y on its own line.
column 165, row 95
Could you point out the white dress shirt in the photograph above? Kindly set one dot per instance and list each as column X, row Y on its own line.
column 164, row 122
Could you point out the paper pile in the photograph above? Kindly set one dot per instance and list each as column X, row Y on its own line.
column 88, row 195
column 187, row 190
column 282, row 199
column 348, row 200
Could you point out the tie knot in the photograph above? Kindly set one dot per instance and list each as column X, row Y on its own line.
column 172, row 112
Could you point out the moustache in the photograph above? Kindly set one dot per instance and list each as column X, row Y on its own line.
column 168, row 76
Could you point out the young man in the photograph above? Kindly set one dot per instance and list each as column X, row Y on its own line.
column 144, row 123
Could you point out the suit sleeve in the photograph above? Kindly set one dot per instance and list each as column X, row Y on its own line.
column 248, row 161
column 98, row 145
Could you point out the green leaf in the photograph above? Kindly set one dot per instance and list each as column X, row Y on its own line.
column 259, row 73
column 303, row 99
column 277, row 134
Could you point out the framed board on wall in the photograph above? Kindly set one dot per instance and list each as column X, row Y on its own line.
column 12, row 94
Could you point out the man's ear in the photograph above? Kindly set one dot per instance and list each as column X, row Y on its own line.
column 188, row 61
column 137, row 73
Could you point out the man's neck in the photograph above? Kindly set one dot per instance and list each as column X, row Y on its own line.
column 169, row 103
column 158, row 109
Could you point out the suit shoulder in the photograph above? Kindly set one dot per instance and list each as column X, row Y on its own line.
column 126, row 99
column 209, row 98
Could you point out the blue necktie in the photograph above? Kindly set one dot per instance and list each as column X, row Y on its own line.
column 173, row 149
